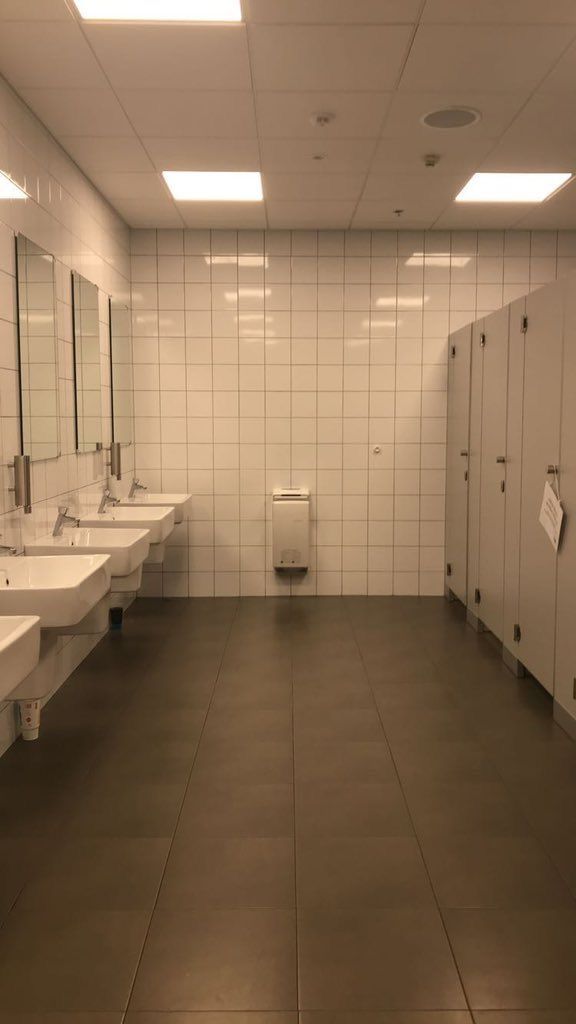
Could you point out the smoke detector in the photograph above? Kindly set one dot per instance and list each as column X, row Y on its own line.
column 451, row 117
column 321, row 120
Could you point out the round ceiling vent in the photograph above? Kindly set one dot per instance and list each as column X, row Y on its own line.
column 451, row 117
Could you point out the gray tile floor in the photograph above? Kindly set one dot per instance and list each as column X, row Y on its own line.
column 258, row 812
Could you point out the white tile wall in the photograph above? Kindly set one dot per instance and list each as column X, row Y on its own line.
column 68, row 218
column 286, row 359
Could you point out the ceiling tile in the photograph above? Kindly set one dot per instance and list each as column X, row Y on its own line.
column 380, row 215
column 47, row 54
column 403, row 119
column 288, row 115
column 107, row 154
column 563, row 77
column 69, row 111
column 309, row 215
column 542, row 138
column 295, row 187
column 513, row 58
column 481, row 216
column 131, row 186
column 409, row 191
column 223, row 215
column 324, row 57
column 34, row 10
column 203, row 154
column 172, row 57
column 147, row 213
column 519, row 12
column 297, row 156
column 406, row 156
column 326, row 12
column 169, row 113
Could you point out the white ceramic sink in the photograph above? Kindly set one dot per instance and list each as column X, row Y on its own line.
column 61, row 591
column 159, row 521
column 128, row 549
column 150, row 500
column 19, row 650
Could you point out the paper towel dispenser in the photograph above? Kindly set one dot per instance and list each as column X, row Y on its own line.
column 291, row 528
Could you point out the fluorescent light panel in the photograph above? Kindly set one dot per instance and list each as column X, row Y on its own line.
column 9, row 189
column 159, row 10
column 215, row 186
column 511, row 188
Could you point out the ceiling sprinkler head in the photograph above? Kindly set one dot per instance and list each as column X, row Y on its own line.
column 431, row 159
column 398, row 212
column 319, row 156
column 321, row 120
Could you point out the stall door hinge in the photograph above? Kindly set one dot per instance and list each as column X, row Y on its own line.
column 477, row 596
column 524, row 324
column 482, row 340
column 448, row 568
column 502, row 486
column 517, row 633
column 453, row 352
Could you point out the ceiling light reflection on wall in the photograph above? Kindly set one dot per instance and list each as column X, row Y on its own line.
column 159, row 10
column 9, row 189
column 215, row 186
column 436, row 259
column 511, row 188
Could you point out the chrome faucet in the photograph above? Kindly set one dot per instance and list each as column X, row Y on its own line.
column 136, row 486
column 63, row 518
column 107, row 499
column 9, row 549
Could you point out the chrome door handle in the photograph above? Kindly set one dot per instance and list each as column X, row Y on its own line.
column 500, row 458
column 464, row 453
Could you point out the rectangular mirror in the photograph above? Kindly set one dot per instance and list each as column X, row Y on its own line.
column 121, row 373
column 87, row 374
column 38, row 351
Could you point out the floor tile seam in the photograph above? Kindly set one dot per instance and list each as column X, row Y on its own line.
column 416, row 835
column 175, row 828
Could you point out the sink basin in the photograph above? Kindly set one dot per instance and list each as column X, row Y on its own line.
column 128, row 549
column 61, row 591
column 159, row 521
column 147, row 499
column 19, row 650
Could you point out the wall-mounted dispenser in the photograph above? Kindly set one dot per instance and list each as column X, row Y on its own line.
column 291, row 528
column 22, row 489
column 115, row 464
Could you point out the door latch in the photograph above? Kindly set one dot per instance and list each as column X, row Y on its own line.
column 517, row 633
column 477, row 597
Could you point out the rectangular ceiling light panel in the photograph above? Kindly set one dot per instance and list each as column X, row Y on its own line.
column 9, row 189
column 511, row 188
column 159, row 10
column 215, row 186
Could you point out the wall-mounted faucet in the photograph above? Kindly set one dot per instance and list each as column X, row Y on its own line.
column 107, row 499
column 136, row 486
column 8, row 549
column 62, row 518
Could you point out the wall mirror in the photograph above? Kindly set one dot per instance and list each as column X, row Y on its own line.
column 38, row 351
column 121, row 372
column 87, row 373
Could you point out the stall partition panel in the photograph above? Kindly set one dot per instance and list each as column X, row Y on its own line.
column 457, row 462
column 475, row 465
column 565, row 675
column 493, row 472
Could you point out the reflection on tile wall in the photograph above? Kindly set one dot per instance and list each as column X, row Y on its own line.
column 69, row 219
column 312, row 359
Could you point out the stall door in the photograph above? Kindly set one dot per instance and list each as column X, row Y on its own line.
column 540, row 449
column 474, row 464
column 493, row 472
column 457, row 462
column 565, row 675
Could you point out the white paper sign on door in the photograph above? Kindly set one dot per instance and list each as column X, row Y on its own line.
column 551, row 515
